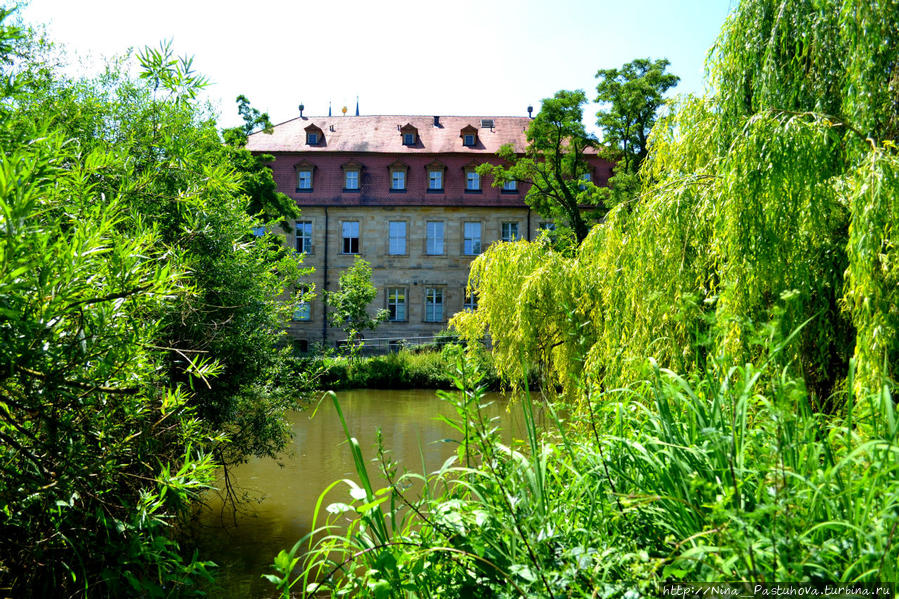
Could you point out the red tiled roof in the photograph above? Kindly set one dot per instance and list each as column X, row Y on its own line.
column 382, row 134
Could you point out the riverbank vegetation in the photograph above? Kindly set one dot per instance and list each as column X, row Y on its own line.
column 412, row 368
column 138, row 319
column 726, row 342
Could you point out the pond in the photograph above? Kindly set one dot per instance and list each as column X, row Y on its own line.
column 282, row 493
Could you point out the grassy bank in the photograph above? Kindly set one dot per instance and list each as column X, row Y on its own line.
column 404, row 369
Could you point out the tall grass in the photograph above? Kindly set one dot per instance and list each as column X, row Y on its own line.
column 718, row 478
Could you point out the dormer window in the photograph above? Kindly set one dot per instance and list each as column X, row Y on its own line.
column 469, row 136
column 410, row 134
column 314, row 135
column 398, row 172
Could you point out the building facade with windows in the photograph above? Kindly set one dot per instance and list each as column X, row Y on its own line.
column 401, row 192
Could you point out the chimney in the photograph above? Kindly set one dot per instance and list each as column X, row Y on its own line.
column 530, row 111
column 436, row 121
column 302, row 108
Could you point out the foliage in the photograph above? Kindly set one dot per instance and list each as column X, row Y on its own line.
column 138, row 319
column 404, row 369
column 633, row 95
column 702, row 480
column 349, row 305
column 257, row 182
column 96, row 454
column 763, row 202
column 553, row 163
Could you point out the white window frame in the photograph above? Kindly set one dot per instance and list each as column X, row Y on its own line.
column 434, row 302
column 303, row 310
column 397, row 176
column 510, row 185
column 471, row 243
column 304, row 178
column 396, row 237
column 472, row 180
column 469, row 301
column 509, row 235
column 347, row 228
column 397, row 297
column 435, row 179
column 435, row 237
column 351, row 176
column 303, row 241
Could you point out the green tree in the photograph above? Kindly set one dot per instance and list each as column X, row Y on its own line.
column 139, row 323
column 632, row 95
column 349, row 305
column 258, row 184
column 767, row 206
column 553, row 163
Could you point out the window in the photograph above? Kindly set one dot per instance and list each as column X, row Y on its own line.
column 314, row 135
column 510, row 232
column 409, row 134
column 396, row 304
column 303, row 310
column 303, row 231
column 258, row 231
column 472, row 180
column 434, row 238
column 304, row 179
column 351, row 237
column 433, row 304
column 472, row 239
column 351, row 179
column 397, row 180
column 550, row 229
column 511, row 185
column 397, row 237
column 469, row 136
column 585, row 177
column 470, row 302
column 435, row 180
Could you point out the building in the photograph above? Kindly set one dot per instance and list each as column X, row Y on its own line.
column 401, row 192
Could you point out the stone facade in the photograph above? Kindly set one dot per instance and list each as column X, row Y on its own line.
column 420, row 240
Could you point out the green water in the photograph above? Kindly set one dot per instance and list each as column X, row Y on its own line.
column 282, row 493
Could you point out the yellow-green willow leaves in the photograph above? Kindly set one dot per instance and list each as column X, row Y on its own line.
column 765, row 219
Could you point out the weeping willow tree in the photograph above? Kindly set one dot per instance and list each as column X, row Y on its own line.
column 767, row 207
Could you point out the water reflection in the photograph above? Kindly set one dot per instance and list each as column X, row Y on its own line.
column 283, row 492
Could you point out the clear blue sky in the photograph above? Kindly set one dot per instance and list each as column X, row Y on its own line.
column 465, row 57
